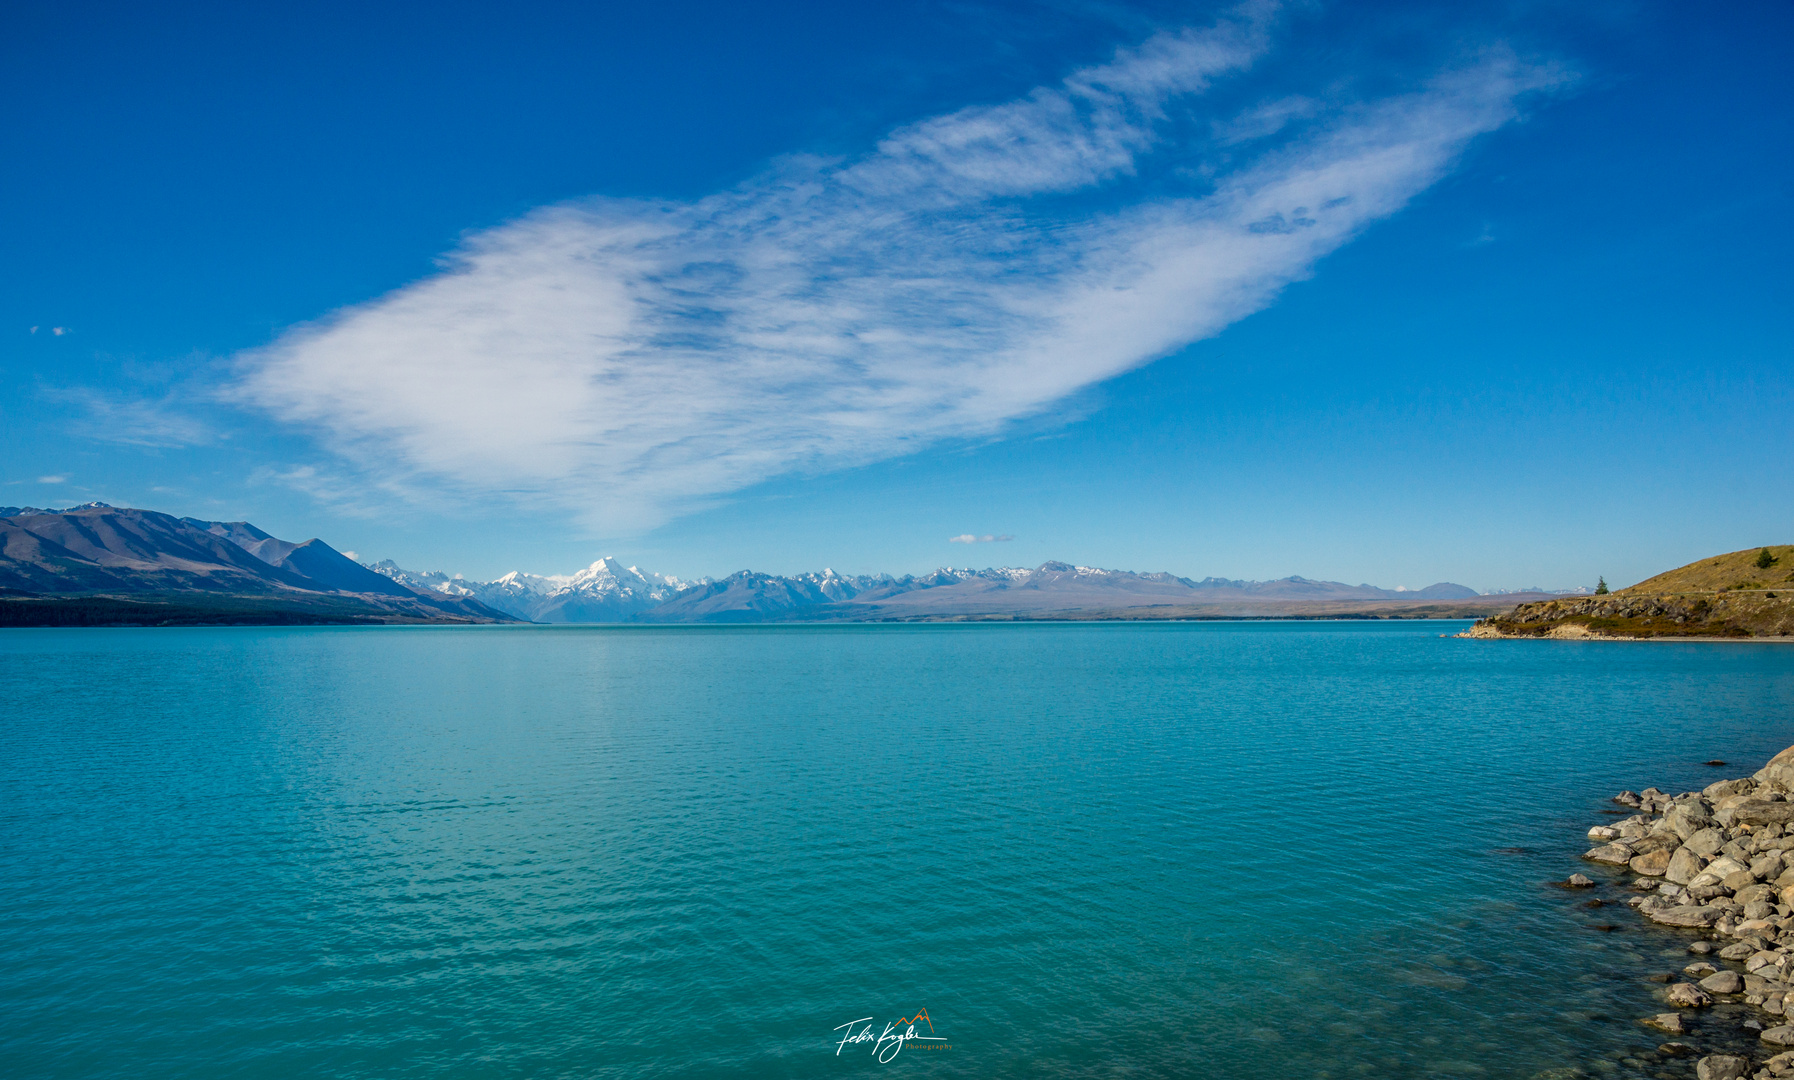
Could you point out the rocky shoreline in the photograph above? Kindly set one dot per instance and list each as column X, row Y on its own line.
column 1718, row 864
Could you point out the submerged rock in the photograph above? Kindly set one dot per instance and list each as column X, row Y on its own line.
column 1670, row 1022
column 1722, row 1067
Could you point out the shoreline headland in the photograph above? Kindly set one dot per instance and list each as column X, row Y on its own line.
column 1743, row 595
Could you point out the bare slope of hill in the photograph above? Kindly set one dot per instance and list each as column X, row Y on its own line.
column 196, row 570
column 1742, row 594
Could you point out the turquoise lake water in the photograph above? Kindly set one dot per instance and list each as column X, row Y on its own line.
column 1235, row 850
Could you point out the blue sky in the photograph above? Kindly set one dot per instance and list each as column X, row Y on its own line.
column 1394, row 293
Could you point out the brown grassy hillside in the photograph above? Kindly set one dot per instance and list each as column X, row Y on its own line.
column 1726, row 573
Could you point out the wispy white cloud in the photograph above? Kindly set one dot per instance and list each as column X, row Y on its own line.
column 972, row 538
column 630, row 360
column 1263, row 121
column 342, row 494
column 52, row 479
column 152, row 422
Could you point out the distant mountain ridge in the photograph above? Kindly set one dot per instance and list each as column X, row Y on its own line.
column 609, row 592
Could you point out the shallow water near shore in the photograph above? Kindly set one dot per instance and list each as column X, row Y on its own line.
column 1226, row 849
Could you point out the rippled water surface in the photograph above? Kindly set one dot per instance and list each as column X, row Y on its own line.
column 1241, row 850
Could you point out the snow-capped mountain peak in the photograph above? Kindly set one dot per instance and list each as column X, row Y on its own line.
column 606, row 591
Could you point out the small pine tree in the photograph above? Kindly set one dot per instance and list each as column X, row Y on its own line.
column 1601, row 587
column 1765, row 560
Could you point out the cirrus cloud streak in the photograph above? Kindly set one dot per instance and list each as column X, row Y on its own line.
column 630, row 360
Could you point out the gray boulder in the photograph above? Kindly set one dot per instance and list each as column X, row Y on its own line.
column 1720, row 789
column 1706, row 842
column 1688, row 996
column 1686, row 863
column 1687, row 818
column 1652, row 863
column 1615, row 854
column 1722, row 1067
column 1723, row 982
column 1750, row 894
column 1761, row 812
column 1741, row 879
column 1689, row 915
column 1657, row 841
column 1725, row 866
column 1779, row 1036
column 1779, row 773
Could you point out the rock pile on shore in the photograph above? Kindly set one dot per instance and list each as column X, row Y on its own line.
column 1720, row 861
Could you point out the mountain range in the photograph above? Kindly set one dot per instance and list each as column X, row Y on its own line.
column 233, row 570
column 607, row 591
